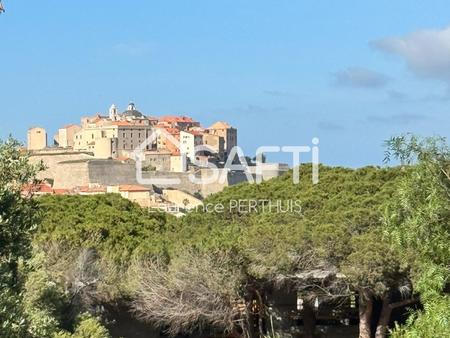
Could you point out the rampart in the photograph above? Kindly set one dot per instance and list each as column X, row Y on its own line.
column 71, row 169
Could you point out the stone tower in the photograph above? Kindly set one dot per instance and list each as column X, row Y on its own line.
column 37, row 138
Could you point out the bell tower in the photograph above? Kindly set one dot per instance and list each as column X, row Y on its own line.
column 113, row 113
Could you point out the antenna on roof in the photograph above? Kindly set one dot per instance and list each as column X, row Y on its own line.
column 2, row 9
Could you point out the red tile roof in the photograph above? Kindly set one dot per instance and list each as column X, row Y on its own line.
column 121, row 123
column 172, row 131
column 220, row 125
column 195, row 132
column 122, row 158
column 69, row 126
column 61, row 191
column 133, row 188
column 176, row 119
column 95, row 118
column 92, row 189
column 42, row 188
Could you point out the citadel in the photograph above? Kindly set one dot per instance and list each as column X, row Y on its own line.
column 118, row 134
column 98, row 156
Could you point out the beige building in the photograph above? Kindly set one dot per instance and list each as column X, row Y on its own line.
column 135, row 193
column 113, row 139
column 116, row 135
column 181, row 199
column 104, row 147
column 91, row 189
column 168, row 139
column 178, row 122
column 216, row 143
column 66, row 135
column 228, row 133
column 158, row 160
column 267, row 171
column 36, row 138
column 178, row 163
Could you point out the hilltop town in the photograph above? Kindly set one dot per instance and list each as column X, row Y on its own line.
column 117, row 135
column 99, row 156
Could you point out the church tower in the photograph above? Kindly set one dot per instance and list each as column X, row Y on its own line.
column 113, row 113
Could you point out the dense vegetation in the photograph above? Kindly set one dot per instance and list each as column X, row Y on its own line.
column 117, row 228
column 418, row 224
column 378, row 233
column 338, row 229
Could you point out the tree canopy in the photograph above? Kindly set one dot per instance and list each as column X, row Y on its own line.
column 383, row 230
column 418, row 223
column 115, row 227
column 18, row 218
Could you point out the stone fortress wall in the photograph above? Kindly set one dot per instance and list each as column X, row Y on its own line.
column 68, row 170
column 111, row 172
column 98, row 151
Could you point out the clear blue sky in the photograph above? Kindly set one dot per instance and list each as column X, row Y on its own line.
column 352, row 73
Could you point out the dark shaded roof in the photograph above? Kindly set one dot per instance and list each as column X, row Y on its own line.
column 131, row 111
column 134, row 113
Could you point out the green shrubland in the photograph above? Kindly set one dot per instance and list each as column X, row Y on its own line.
column 380, row 233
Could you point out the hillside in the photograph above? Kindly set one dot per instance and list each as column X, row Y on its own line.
column 344, row 205
column 248, row 238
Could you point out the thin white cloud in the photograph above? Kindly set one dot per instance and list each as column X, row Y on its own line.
column 360, row 78
column 426, row 52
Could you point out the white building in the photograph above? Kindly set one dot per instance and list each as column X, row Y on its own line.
column 188, row 141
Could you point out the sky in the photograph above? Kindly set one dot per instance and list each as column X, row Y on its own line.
column 352, row 73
